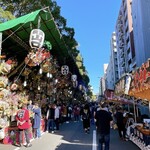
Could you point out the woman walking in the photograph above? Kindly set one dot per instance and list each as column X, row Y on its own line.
column 86, row 116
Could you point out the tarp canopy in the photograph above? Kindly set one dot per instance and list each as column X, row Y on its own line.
column 21, row 20
column 18, row 30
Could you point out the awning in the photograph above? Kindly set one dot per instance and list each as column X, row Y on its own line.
column 21, row 20
column 19, row 29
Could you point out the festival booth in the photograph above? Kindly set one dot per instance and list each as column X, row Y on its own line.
column 140, row 90
column 119, row 96
column 123, row 90
column 27, row 66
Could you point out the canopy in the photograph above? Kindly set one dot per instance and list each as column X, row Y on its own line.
column 22, row 20
column 19, row 29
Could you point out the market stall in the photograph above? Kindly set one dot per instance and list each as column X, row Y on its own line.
column 27, row 66
column 140, row 89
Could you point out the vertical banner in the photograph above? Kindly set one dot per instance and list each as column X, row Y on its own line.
column 127, row 84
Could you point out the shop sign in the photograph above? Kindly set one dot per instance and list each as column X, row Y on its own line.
column 120, row 86
column 140, row 79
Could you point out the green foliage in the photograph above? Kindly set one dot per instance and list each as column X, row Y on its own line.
column 5, row 15
column 79, row 58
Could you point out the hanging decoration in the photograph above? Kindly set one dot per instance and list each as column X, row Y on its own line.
column 39, row 88
column 3, row 82
column 80, row 87
column 36, row 58
column 37, row 37
column 14, row 87
column 25, row 83
column 64, row 70
column 40, row 71
column 46, row 66
column 47, row 45
column 26, row 72
column 7, row 66
column 75, row 84
column 74, row 77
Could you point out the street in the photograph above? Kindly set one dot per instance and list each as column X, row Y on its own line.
column 72, row 137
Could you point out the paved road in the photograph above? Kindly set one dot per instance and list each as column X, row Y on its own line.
column 72, row 137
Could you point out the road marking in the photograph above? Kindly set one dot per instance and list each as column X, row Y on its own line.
column 17, row 148
column 94, row 146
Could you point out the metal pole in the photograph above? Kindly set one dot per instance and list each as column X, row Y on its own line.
column 134, row 107
column 128, row 107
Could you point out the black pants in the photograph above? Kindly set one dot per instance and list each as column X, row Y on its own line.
column 121, row 131
column 57, row 123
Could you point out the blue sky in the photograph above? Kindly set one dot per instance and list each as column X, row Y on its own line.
column 93, row 22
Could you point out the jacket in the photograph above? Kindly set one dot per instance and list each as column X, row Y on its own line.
column 22, row 118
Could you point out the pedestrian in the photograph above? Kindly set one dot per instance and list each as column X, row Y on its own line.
column 50, row 118
column 57, row 116
column 103, row 121
column 86, row 116
column 30, row 105
column 69, row 110
column 120, row 123
column 76, row 113
column 23, row 123
column 37, row 121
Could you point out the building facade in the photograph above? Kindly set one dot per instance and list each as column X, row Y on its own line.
column 141, row 26
column 125, row 40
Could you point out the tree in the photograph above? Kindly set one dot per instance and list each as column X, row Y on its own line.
column 5, row 15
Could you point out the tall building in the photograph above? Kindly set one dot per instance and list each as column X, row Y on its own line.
column 102, row 86
column 112, row 69
column 113, row 46
column 124, row 39
column 102, row 83
column 109, row 78
column 141, row 26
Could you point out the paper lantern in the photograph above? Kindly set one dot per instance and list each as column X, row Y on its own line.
column 74, row 77
column 65, row 70
column 37, row 37
column 80, row 87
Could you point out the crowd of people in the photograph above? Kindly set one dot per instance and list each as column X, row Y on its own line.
column 103, row 116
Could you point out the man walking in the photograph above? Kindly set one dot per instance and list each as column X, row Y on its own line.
column 23, row 123
column 103, row 121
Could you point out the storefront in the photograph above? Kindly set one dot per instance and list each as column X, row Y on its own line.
column 140, row 90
